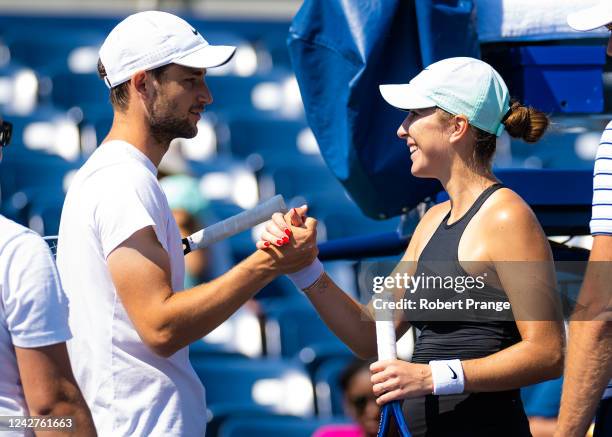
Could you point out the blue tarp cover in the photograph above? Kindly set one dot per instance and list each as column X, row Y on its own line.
column 341, row 51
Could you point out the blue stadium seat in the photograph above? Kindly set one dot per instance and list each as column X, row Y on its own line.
column 316, row 355
column 38, row 207
column 18, row 95
column 234, row 93
column 553, row 151
column 45, row 212
column 219, row 414
column 200, row 350
column 277, row 48
column 291, row 325
column 23, row 168
column 280, row 288
column 271, row 426
column 293, row 179
column 272, row 137
column 279, row 386
column 329, row 395
column 223, row 205
column 351, row 222
column 44, row 48
column 86, row 91
column 241, row 245
column 337, row 212
column 43, row 115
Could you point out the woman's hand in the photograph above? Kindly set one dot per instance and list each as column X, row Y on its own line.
column 396, row 379
column 278, row 230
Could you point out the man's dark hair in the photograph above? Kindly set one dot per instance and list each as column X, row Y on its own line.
column 119, row 95
column 352, row 369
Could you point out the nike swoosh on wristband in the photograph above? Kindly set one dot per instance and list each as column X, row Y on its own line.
column 454, row 374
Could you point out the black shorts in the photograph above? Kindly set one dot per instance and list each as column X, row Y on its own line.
column 498, row 414
column 603, row 420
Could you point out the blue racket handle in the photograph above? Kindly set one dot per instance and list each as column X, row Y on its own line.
column 389, row 411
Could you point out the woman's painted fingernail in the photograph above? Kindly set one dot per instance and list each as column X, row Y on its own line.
column 285, row 240
column 288, row 232
column 267, row 243
column 279, row 242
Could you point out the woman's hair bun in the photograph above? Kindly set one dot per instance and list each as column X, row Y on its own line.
column 525, row 122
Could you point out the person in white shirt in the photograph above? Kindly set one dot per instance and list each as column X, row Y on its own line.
column 588, row 364
column 36, row 376
column 119, row 252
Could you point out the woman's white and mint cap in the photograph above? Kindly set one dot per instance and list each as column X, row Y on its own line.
column 465, row 86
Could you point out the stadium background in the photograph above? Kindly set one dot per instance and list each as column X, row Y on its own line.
column 274, row 364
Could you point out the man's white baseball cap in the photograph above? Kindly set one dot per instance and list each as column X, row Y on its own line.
column 151, row 39
column 592, row 17
column 461, row 85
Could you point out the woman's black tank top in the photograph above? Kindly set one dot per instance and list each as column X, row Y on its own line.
column 461, row 333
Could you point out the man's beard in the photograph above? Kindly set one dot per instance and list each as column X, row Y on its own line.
column 165, row 124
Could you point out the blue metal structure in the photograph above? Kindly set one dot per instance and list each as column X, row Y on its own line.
column 342, row 51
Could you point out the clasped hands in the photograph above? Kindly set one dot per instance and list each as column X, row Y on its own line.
column 391, row 379
column 291, row 239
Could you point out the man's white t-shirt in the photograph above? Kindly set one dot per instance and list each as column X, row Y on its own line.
column 130, row 390
column 33, row 308
column 601, row 218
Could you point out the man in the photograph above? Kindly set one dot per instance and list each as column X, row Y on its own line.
column 36, row 376
column 588, row 367
column 119, row 249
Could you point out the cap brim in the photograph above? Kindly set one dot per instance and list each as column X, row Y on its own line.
column 207, row 57
column 405, row 97
column 591, row 18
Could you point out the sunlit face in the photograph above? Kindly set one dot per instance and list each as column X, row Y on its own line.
column 425, row 133
column 361, row 403
column 180, row 95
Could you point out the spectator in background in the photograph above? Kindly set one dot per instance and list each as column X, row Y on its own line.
column 36, row 379
column 189, row 209
column 588, row 365
column 359, row 404
column 359, row 400
column 188, row 206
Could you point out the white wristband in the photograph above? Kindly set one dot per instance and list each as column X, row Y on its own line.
column 308, row 275
column 447, row 376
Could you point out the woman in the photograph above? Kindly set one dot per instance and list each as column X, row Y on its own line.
column 359, row 404
column 466, row 369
